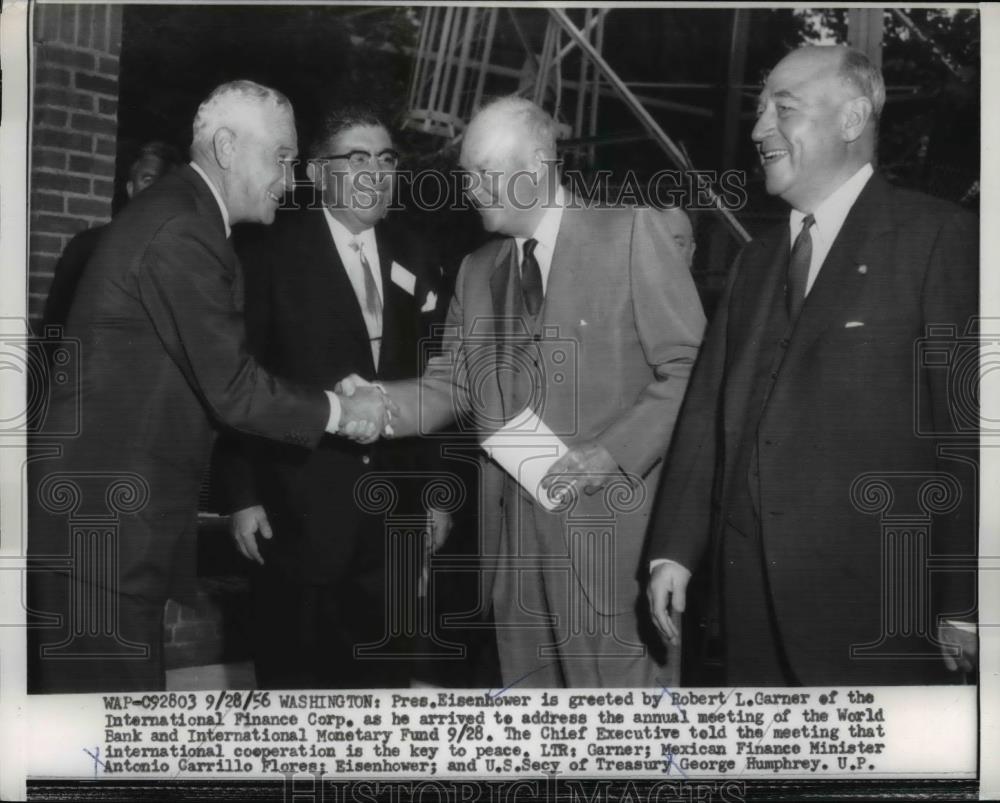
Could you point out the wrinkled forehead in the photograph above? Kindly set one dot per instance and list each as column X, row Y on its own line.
column 803, row 74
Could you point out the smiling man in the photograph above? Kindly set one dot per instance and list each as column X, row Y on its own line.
column 804, row 396
column 331, row 290
column 163, row 363
column 586, row 317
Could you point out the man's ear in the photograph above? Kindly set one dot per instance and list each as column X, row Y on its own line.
column 854, row 117
column 129, row 189
column 224, row 147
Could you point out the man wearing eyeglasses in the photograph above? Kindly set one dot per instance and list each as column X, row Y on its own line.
column 331, row 289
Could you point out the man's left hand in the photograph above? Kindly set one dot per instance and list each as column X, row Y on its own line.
column 967, row 643
column 587, row 467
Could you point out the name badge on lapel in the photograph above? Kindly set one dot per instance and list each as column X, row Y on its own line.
column 402, row 278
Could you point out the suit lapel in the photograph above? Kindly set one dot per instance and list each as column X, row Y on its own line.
column 564, row 283
column 861, row 248
column 394, row 299
column 762, row 275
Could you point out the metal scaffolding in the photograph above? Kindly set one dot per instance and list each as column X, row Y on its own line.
column 457, row 58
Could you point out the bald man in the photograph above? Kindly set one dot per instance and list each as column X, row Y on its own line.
column 588, row 319
column 161, row 334
column 814, row 428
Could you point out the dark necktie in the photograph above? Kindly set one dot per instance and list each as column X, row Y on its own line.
column 798, row 269
column 531, row 279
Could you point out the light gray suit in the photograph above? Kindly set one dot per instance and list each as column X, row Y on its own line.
column 607, row 359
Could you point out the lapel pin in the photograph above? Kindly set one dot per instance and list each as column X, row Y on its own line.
column 862, row 269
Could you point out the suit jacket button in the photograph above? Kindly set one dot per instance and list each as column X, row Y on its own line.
column 365, row 459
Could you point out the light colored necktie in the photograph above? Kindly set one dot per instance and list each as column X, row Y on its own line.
column 372, row 301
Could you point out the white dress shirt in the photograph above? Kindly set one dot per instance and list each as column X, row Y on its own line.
column 545, row 235
column 342, row 239
column 829, row 216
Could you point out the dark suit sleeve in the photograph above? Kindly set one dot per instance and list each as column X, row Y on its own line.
column 951, row 297
column 681, row 518
column 238, row 457
column 187, row 289
column 67, row 275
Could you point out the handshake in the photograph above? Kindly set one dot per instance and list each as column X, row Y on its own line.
column 366, row 411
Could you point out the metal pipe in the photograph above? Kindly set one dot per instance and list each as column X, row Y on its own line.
column 456, row 28
column 491, row 27
column 439, row 66
column 581, row 96
column 596, row 89
column 630, row 100
column 463, row 61
column 420, row 63
column 510, row 72
column 587, row 28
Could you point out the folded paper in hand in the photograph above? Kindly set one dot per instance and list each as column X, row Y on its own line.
column 526, row 448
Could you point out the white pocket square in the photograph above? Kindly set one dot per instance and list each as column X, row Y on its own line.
column 430, row 303
column 853, row 324
column 401, row 277
column 582, row 322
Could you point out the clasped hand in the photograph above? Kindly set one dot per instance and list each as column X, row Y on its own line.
column 365, row 410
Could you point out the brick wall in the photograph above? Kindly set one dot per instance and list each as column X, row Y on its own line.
column 74, row 131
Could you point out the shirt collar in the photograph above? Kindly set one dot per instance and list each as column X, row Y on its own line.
column 216, row 195
column 548, row 227
column 343, row 236
column 831, row 214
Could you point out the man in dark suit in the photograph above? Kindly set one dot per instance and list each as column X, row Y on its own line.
column 154, row 161
column 587, row 318
column 331, row 289
column 810, row 414
column 113, row 506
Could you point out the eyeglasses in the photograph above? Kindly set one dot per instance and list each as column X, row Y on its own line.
column 359, row 160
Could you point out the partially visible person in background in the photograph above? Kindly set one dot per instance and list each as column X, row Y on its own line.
column 154, row 160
